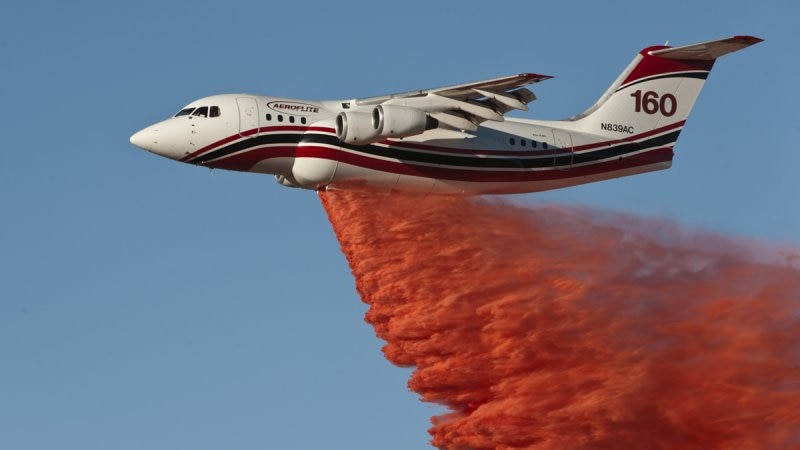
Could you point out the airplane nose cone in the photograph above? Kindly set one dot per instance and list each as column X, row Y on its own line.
column 164, row 139
column 145, row 139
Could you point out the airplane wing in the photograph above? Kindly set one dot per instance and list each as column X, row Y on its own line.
column 464, row 106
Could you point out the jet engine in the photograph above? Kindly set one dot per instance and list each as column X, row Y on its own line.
column 356, row 128
column 400, row 121
column 385, row 121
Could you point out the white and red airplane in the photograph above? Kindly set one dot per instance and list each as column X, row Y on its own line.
column 452, row 139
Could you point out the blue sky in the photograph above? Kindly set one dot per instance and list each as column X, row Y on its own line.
column 150, row 304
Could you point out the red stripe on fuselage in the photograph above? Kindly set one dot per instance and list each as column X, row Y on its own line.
column 244, row 161
column 630, row 139
column 209, row 147
column 248, row 133
column 657, row 155
column 577, row 148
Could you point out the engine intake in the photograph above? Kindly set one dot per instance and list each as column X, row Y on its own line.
column 401, row 121
column 356, row 128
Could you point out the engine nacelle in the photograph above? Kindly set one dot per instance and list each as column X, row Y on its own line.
column 393, row 121
column 385, row 121
column 356, row 128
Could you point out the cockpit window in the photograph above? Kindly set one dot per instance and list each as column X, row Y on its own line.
column 201, row 111
column 184, row 112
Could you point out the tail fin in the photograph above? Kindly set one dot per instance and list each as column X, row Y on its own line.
column 657, row 90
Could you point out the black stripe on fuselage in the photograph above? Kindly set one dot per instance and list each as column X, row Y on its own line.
column 541, row 161
column 503, row 162
column 264, row 139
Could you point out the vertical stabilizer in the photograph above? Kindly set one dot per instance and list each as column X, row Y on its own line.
column 657, row 90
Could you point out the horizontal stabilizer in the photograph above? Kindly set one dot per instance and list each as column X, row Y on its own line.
column 707, row 51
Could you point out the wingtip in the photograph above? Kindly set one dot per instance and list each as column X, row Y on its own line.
column 535, row 77
column 748, row 39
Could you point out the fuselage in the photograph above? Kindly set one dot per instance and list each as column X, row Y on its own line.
column 296, row 141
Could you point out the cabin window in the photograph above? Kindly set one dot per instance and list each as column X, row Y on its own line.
column 534, row 144
column 544, row 145
column 511, row 141
column 522, row 142
column 269, row 116
column 214, row 111
column 201, row 111
column 303, row 120
column 291, row 119
column 184, row 112
column 280, row 117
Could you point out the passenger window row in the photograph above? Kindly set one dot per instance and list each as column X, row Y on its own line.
column 524, row 143
column 280, row 118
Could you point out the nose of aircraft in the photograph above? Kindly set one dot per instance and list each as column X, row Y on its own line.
column 145, row 139
column 160, row 139
column 169, row 138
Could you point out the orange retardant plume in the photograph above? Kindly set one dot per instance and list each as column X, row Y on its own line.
column 565, row 328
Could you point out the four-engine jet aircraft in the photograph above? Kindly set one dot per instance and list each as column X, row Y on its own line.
column 453, row 139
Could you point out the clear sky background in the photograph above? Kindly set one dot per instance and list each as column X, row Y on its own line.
column 150, row 304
